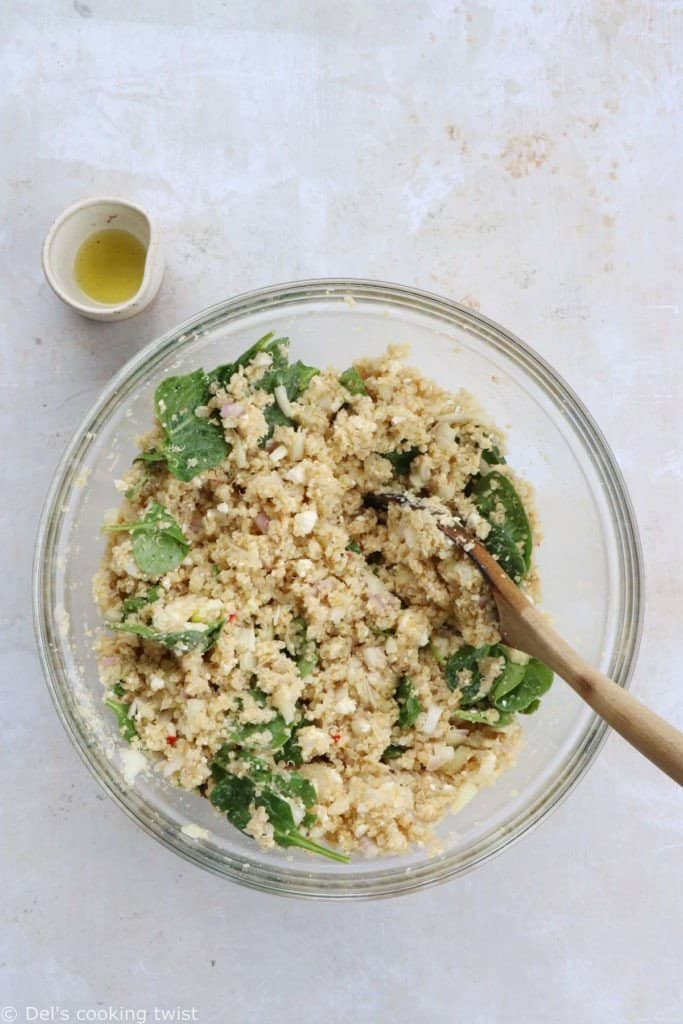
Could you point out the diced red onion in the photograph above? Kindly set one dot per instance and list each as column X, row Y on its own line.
column 262, row 522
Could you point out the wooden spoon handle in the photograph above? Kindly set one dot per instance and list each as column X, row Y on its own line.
column 527, row 629
column 659, row 741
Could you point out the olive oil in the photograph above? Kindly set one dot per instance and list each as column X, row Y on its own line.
column 110, row 265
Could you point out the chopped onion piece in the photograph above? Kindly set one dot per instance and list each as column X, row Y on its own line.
column 283, row 401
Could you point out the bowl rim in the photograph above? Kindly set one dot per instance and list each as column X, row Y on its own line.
column 280, row 878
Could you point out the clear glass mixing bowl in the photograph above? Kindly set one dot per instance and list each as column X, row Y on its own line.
column 590, row 564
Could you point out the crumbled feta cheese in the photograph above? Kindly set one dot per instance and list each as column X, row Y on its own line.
column 304, row 522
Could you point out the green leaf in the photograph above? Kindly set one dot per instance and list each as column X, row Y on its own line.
column 159, row 544
column 493, row 455
column 401, row 461
column 295, row 785
column 191, row 444
column 508, row 680
column 301, row 649
column 393, row 751
column 485, row 716
column 291, row 752
column 180, row 642
column 436, row 654
column 409, row 706
column 354, row 546
column 294, row 378
column 353, row 382
column 126, row 724
column 510, row 541
column 131, row 605
column 533, row 707
column 536, row 680
column 119, row 690
column 234, row 796
column 237, row 795
column 284, row 829
column 268, row 343
column 259, row 696
column 151, row 456
column 279, row 731
column 466, row 659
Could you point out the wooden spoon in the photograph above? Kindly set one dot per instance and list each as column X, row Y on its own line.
column 526, row 629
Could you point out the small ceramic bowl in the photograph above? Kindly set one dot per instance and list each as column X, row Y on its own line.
column 71, row 229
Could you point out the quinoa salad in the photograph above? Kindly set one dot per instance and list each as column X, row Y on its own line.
column 329, row 675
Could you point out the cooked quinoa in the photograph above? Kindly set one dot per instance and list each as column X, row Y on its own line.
column 347, row 659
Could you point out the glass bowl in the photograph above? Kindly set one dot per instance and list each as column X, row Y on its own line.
column 589, row 561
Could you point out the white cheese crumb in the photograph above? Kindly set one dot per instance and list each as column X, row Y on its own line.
column 304, row 522
column 132, row 762
column 195, row 831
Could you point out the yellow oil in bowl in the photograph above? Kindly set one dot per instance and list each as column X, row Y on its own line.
column 110, row 265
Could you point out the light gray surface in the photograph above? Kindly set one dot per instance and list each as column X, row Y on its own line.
column 523, row 157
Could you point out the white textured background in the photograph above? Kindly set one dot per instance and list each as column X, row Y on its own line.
column 525, row 157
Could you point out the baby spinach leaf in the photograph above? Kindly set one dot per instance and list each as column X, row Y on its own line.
column 536, row 680
column 492, row 717
column 284, row 829
column 294, row 378
column 409, row 706
column 507, row 681
column 151, row 456
column 301, row 649
column 510, row 541
column 353, row 382
column 131, row 605
column 291, row 752
column 295, row 785
column 401, row 461
column 234, row 796
column 125, row 723
column 191, row 444
column 493, row 455
column 180, row 642
column 518, row 688
column 466, row 659
column 437, row 655
column 279, row 731
column 268, row 343
column 159, row 544
column 259, row 696
column 393, row 751
column 237, row 795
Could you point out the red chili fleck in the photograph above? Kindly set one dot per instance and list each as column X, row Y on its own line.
column 232, row 616
column 171, row 740
column 335, row 737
